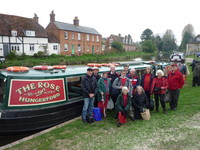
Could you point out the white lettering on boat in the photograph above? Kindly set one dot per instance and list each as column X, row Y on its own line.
column 38, row 100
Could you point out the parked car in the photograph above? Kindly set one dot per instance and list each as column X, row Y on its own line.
column 177, row 57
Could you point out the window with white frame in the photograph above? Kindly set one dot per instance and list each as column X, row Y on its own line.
column 66, row 47
column 72, row 35
column 97, row 38
column 93, row 38
column 88, row 37
column 15, row 47
column 55, row 47
column 79, row 36
column 66, row 35
column 32, row 47
column 30, row 33
column 14, row 32
column 79, row 47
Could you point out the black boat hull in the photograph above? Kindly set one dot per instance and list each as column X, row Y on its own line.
column 20, row 121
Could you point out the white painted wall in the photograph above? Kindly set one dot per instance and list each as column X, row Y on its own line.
column 37, row 42
column 51, row 50
column 1, row 50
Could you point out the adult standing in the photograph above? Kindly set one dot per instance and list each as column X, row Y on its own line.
column 96, row 73
column 121, row 82
column 175, row 83
column 134, row 79
column 123, row 105
column 97, row 76
column 112, row 74
column 146, row 82
column 89, row 87
column 196, row 74
column 126, row 67
column 158, row 88
column 104, row 89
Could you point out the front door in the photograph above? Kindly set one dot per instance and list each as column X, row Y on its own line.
column 92, row 49
column 5, row 50
column 72, row 49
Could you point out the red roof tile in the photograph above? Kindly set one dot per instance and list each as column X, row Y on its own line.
column 21, row 24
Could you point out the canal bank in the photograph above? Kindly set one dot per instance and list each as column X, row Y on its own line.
column 30, row 61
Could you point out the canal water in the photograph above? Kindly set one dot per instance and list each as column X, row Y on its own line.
column 4, row 140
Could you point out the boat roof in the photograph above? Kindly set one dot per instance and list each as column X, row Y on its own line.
column 70, row 71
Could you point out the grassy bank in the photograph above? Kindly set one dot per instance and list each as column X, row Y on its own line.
column 177, row 130
column 31, row 61
column 193, row 56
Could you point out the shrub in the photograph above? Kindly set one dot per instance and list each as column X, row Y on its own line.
column 12, row 55
column 41, row 54
column 35, row 55
column 54, row 55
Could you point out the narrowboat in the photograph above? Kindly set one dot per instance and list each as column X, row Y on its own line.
column 39, row 99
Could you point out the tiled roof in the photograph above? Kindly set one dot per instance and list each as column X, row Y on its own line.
column 71, row 27
column 10, row 22
column 117, row 38
column 194, row 40
column 52, row 38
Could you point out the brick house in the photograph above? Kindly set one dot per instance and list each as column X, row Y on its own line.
column 24, row 35
column 127, row 42
column 73, row 38
column 193, row 46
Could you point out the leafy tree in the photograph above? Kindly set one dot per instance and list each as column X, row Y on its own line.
column 169, row 41
column 188, row 28
column 147, row 34
column 187, row 35
column 117, row 46
column 158, row 41
column 148, row 46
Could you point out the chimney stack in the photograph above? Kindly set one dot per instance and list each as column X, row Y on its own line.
column 52, row 17
column 36, row 18
column 76, row 21
column 119, row 34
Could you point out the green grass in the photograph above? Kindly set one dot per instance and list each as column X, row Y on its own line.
column 30, row 61
column 193, row 56
column 175, row 131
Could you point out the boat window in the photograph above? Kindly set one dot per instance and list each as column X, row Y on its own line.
column 2, row 87
column 74, row 88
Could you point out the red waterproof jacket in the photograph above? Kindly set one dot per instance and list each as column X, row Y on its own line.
column 175, row 80
column 159, row 82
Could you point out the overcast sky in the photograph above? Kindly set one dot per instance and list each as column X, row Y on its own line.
column 114, row 16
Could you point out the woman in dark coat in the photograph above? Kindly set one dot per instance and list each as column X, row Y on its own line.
column 139, row 102
column 123, row 105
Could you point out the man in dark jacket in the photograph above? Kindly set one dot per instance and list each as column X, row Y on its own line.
column 196, row 74
column 89, row 90
column 175, row 83
column 112, row 74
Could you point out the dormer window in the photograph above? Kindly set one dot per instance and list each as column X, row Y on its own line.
column 14, row 32
column 30, row 33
